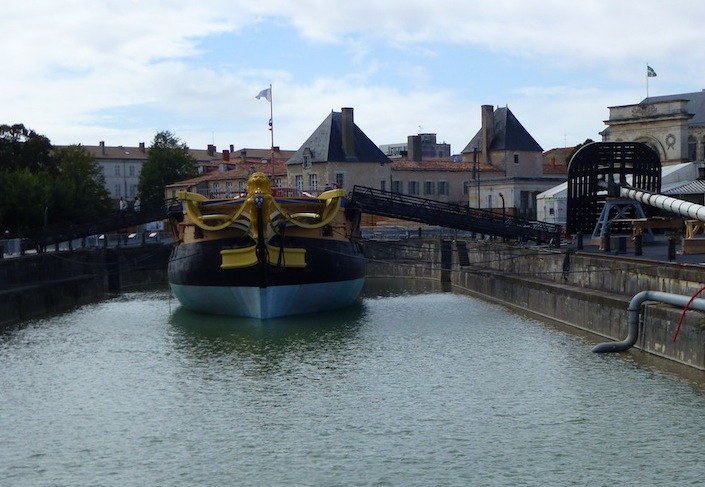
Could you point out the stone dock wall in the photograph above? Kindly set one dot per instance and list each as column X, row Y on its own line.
column 581, row 290
column 33, row 286
column 586, row 291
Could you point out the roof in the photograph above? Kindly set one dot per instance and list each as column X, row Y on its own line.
column 437, row 165
column 689, row 187
column 696, row 104
column 235, row 172
column 508, row 134
column 673, row 177
column 326, row 144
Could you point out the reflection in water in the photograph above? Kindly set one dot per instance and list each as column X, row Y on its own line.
column 386, row 287
column 264, row 343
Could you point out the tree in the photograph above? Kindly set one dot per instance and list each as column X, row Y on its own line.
column 575, row 149
column 79, row 185
column 23, row 148
column 24, row 199
column 168, row 161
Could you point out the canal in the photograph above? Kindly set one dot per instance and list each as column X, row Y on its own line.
column 411, row 386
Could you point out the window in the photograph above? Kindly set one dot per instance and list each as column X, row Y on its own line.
column 516, row 158
column 313, row 182
column 466, row 187
column 117, row 169
column 692, row 148
column 396, row 186
column 340, row 179
column 429, row 188
column 443, row 188
column 489, row 201
column 216, row 190
column 277, row 182
column 133, row 190
column 383, row 185
column 413, row 188
column 118, row 192
column 307, row 158
column 299, row 182
column 132, row 171
column 242, row 186
column 228, row 189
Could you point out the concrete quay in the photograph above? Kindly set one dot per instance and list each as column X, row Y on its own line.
column 587, row 291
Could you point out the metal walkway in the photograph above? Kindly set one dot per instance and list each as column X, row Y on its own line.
column 109, row 222
column 450, row 215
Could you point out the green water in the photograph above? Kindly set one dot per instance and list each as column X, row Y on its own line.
column 411, row 386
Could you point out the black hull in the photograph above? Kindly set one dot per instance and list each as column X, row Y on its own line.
column 199, row 264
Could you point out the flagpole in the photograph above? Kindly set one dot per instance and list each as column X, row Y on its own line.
column 647, row 81
column 271, row 126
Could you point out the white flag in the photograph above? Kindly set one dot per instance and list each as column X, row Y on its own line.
column 650, row 73
column 267, row 94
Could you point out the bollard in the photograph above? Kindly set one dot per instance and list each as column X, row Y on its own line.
column 671, row 249
column 638, row 245
column 622, row 245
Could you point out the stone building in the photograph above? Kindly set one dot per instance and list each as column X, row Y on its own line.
column 673, row 125
column 338, row 153
column 509, row 165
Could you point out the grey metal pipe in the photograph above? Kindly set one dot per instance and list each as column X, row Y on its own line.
column 633, row 311
column 674, row 205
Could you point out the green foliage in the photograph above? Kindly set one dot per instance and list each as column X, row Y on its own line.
column 42, row 185
column 79, row 186
column 24, row 199
column 22, row 148
column 575, row 149
column 168, row 161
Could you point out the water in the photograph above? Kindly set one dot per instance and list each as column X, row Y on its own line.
column 409, row 387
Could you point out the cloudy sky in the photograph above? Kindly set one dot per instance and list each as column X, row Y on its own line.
column 82, row 71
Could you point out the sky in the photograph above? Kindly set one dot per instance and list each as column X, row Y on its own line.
column 120, row 71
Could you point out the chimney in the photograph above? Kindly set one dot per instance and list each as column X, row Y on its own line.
column 487, row 132
column 211, row 150
column 348, row 129
column 142, row 150
column 243, row 156
column 232, row 148
column 102, row 147
column 413, row 147
column 226, row 155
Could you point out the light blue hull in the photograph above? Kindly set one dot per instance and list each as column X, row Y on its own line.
column 268, row 302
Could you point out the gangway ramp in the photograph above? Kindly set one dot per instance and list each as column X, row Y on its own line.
column 451, row 215
column 109, row 221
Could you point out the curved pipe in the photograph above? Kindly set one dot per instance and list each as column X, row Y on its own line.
column 674, row 205
column 633, row 310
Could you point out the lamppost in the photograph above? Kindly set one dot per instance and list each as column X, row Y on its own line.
column 476, row 171
column 504, row 208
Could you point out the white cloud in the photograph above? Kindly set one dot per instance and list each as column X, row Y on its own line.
column 121, row 70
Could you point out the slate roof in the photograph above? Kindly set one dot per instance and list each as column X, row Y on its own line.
column 326, row 144
column 688, row 187
column 696, row 104
column 509, row 134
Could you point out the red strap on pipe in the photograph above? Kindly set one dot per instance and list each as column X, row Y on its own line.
column 680, row 321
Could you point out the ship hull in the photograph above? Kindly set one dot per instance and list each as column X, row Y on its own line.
column 332, row 278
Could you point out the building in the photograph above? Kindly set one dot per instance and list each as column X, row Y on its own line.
column 228, row 178
column 673, row 126
column 509, row 170
column 419, row 147
column 338, row 153
column 121, row 165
